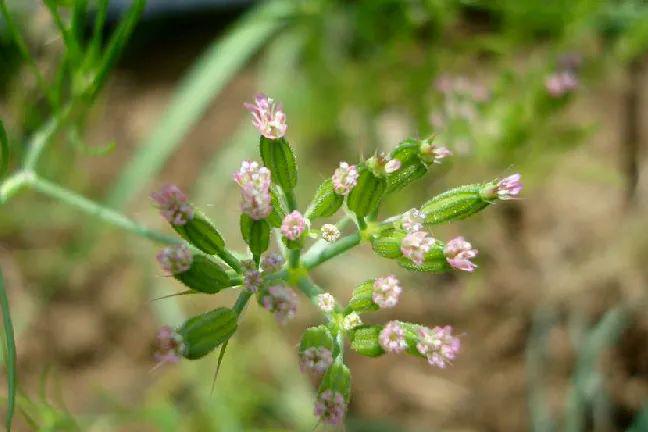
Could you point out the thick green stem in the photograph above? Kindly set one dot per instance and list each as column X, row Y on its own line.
column 93, row 209
column 313, row 258
column 241, row 301
column 231, row 260
column 306, row 285
column 293, row 258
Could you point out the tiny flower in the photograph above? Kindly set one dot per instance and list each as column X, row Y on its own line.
column 330, row 233
column 326, row 302
column 510, row 187
column 392, row 165
column 386, row 291
column 252, row 279
column 439, row 153
column 392, row 338
column 281, row 301
column 169, row 346
column 458, row 253
column 254, row 181
column 175, row 259
column 345, row 178
column 438, row 345
column 351, row 321
column 173, row 205
column 382, row 164
column 272, row 262
column 330, row 407
column 561, row 83
column 415, row 245
column 268, row 117
column 316, row 359
column 412, row 220
column 294, row 225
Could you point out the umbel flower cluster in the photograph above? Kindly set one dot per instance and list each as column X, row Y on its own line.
column 203, row 263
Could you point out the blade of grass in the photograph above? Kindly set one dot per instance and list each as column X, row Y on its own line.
column 94, row 46
column 209, row 75
column 4, row 151
column 10, row 359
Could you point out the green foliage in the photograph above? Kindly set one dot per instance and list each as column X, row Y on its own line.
column 9, row 350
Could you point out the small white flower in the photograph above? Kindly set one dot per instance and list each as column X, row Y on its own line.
column 330, row 233
column 326, row 302
column 351, row 321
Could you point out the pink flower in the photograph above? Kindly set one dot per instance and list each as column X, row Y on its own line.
column 254, row 181
column 382, row 164
column 439, row 153
column 438, row 345
column 392, row 165
column 561, row 83
column 175, row 259
column 281, row 301
column 326, row 302
column 272, row 262
column 173, row 205
column 386, row 291
column 345, row 178
column 510, row 187
column 294, row 225
column 315, row 359
column 330, row 407
column 415, row 245
column 412, row 220
column 169, row 346
column 268, row 117
column 392, row 338
column 252, row 279
column 458, row 253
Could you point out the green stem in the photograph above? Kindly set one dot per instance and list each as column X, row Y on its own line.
column 231, row 260
column 241, row 301
column 308, row 287
column 293, row 258
column 93, row 209
column 12, row 185
column 291, row 200
column 313, row 258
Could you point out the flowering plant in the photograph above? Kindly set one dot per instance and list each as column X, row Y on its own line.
column 204, row 263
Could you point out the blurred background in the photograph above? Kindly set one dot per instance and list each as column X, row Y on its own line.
column 123, row 96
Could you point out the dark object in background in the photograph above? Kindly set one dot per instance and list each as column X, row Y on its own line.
column 163, row 8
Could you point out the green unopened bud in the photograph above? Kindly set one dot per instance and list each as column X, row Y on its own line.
column 326, row 202
column 366, row 196
column 362, row 298
column 280, row 159
column 256, row 234
column 319, row 336
column 205, row 276
column 455, row 204
column 388, row 243
column 203, row 333
column 364, row 340
column 408, row 173
column 202, row 234
column 434, row 262
column 337, row 379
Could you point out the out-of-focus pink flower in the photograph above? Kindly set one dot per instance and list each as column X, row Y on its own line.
column 326, row 302
column 175, row 259
column 458, row 253
column 412, row 220
column 415, row 245
column 560, row 83
column 272, row 262
column 268, row 117
column 392, row 338
column 173, row 205
column 509, row 187
column 169, row 346
column 438, row 345
column 315, row 359
column 254, row 181
column 294, row 225
column 281, row 301
column 392, row 165
column 345, row 178
column 252, row 279
column 330, row 407
column 386, row 291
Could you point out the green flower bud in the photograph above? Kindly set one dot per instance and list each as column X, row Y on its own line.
column 337, row 379
column 205, row 276
column 362, row 298
column 408, row 173
column 455, row 204
column 366, row 196
column 326, row 202
column 388, row 243
column 280, row 159
column 434, row 262
column 201, row 233
column 203, row 333
column 319, row 336
column 256, row 234
column 364, row 340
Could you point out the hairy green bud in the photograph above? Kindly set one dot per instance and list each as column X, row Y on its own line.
column 203, row 333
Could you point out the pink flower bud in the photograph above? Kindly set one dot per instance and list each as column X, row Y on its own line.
column 561, row 83
column 169, row 346
column 438, row 345
column 412, row 220
column 392, row 165
column 294, row 225
column 252, row 279
column 315, row 359
column 386, row 291
column 345, row 178
column 458, row 253
column 382, row 164
column 272, row 262
column 326, row 302
column 330, row 407
column 268, row 117
column 510, row 187
column 175, row 259
column 281, row 301
column 433, row 153
column 392, row 338
column 173, row 205
column 330, row 233
column 254, row 181
column 415, row 245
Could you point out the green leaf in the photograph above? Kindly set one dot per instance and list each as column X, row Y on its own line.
column 205, row 276
column 364, row 340
column 256, row 234
column 10, row 358
column 4, row 151
column 202, row 333
column 202, row 234
column 325, row 202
